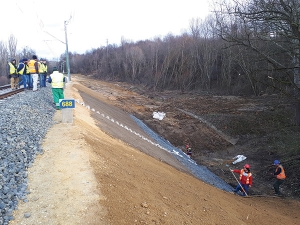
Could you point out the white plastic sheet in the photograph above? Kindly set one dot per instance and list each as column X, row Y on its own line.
column 159, row 115
column 239, row 158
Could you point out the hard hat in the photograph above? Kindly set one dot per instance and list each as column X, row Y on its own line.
column 276, row 162
column 247, row 166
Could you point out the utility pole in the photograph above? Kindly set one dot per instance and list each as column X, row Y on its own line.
column 67, row 52
column 107, row 53
column 107, row 48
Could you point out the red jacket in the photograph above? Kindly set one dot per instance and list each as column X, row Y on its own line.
column 245, row 178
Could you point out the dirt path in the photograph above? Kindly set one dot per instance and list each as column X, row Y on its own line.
column 63, row 188
column 86, row 176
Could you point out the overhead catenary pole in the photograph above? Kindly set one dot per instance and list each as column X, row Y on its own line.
column 67, row 53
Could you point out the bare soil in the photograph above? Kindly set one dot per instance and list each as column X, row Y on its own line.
column 220, row 127
column 94, row 172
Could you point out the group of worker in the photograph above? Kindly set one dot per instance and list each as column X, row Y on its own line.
column 27, row 72
column 30, row 71
column 245, row 179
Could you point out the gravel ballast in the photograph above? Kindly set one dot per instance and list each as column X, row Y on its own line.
column 24, row 121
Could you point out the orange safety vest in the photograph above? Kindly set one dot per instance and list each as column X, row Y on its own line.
column 241, row 175
column 32, row 67
column 280, row 176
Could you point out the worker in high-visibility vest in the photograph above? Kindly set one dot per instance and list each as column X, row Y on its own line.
column 13, row 74
column 43, row 72
column 28, row 75
column 189, row 150
column 57, row 81
column 34, row 71
column 245, row 180
column 22, row 72
column 280, row 176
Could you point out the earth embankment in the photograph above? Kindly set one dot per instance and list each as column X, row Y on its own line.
column 126, row 185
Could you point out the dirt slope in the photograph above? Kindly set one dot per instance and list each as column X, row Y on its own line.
column 97, row 179
column 218, row 128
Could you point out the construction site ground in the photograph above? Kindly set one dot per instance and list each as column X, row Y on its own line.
column 95, row 172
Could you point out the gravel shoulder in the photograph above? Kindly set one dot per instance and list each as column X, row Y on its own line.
column 87, row 176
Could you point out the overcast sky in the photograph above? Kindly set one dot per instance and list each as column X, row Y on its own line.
column 39, row 24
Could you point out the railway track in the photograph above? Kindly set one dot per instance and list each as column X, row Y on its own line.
column 5, row 94
column 5, row 87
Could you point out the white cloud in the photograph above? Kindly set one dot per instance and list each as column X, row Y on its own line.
column 38, row 24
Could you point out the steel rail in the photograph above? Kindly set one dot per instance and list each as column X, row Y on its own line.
column 13, row 92
column 5, row 87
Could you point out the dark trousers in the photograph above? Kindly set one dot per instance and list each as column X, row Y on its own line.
column 245, row 187
column 276, row 185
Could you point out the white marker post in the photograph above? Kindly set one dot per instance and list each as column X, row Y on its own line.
column 67, row 106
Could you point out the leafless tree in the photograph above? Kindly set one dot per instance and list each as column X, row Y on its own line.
column 12, row 46
column 26, row 52
column 218, row 52
column 271, row 30
column 135, row 58
column 3, row 59
column 205, row 51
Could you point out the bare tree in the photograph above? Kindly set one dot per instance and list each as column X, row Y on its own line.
column 26, row 52
column 136, row 58
column 205, row 51
column 271, row 30
column 12, row 46
column 3, row 58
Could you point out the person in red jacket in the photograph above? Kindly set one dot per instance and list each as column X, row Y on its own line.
column 188, row 150
column 245, row 180
column 280, row 176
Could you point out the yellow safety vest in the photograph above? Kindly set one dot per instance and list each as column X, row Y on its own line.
column 12, row 68
column 42, row 68
column 27, row 69
column 57, row 79
column 22, row 70
column 39, row 66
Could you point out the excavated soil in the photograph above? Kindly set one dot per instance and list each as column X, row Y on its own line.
column 218, row 128
column 93, row 172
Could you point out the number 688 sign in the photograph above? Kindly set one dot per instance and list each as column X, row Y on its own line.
column 66, row 103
